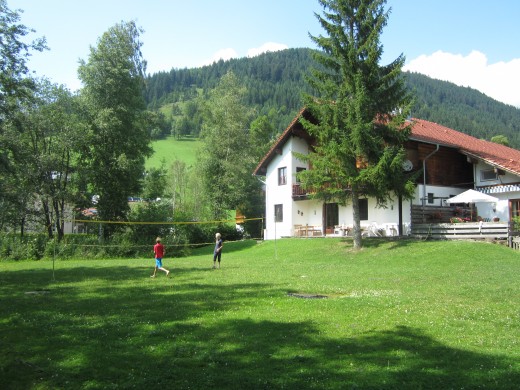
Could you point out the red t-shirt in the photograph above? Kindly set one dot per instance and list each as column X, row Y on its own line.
column 159, row 250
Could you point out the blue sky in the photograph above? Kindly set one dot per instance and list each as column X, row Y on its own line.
column 469, row 42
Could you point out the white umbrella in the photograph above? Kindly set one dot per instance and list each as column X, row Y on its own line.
column 472, row 196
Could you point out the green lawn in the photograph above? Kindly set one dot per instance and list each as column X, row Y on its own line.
column 397, row 315
column 171, row 149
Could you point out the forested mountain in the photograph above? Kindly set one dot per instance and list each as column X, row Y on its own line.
column 275, row 82
column 464, row 109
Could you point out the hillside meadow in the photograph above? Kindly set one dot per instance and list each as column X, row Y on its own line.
column 170, row 149
column 285, row 314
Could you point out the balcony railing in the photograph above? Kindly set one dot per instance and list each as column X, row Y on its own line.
column 298, row 192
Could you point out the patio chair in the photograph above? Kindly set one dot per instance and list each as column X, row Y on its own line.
column 372, row 231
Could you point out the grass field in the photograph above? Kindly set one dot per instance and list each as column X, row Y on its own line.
column 170, row 149
column 396, row 315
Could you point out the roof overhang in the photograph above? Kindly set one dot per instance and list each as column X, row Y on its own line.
column 295, row 129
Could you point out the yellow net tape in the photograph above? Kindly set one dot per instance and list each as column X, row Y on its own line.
column 163, row 223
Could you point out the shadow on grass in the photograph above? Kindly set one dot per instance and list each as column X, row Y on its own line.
column 229, row 247
column 156, row 335
column 391, row 242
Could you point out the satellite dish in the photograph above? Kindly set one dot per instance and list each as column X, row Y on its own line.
column 407, row 165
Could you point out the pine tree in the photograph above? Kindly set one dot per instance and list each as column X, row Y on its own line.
column 359, row 111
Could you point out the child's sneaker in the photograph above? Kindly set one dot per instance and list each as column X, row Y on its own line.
column 167, row 273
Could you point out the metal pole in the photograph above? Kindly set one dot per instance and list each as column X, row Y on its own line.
column 275, row 253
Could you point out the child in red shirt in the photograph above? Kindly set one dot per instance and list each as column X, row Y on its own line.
column 159, row 251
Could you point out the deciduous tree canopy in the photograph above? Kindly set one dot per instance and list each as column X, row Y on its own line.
column 118, row 140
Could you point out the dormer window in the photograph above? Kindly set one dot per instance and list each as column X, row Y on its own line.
column 488, row 175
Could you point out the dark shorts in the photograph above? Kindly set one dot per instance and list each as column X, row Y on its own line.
column 217, row 256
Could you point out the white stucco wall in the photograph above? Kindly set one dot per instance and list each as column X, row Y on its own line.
column 282, row 194
column 502, row 206
column 310, row 212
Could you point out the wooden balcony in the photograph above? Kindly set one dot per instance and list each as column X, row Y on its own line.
column 298, row 193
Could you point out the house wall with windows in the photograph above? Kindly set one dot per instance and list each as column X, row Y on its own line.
column 501, row 184
column 284, row 213
column 280, row 177
column 443, row 161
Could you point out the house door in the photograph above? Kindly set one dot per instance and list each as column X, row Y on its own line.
column 330, row 217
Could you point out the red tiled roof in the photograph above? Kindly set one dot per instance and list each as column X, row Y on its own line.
column 494, row 154
column 497, row 155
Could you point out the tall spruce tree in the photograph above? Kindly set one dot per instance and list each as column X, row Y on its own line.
column 118, row 143
column 360, row 110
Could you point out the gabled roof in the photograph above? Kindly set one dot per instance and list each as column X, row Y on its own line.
column 494, row 154
column 294, row 128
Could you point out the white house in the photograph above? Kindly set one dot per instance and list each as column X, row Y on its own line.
column 449, row 162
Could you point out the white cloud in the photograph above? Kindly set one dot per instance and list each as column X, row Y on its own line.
column 499, row 80
column 227, row 54
column 266, row 47
column 223, row 54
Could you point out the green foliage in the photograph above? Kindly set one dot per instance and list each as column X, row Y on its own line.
column 262, row 136
column 149, row 212
column 154, row 183
column 15, row 83
column 500, row 139
column 275, row 82
column 157, row 124
column 358, row 115
column 29, row 247
column 516, row 224
column 52, row 138
column 166, row 151
column 225, row 160
column 397, row 315
column 118, row 140
column 463, row 109
column 17, row 89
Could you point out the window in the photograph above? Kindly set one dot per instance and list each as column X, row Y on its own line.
column 298, row 170
column 488, row 174
column 431, row 197
column 363, row 209
column 514, row 208
column 278, row 212
column 282, row 176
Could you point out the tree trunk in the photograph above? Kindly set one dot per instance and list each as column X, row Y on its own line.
column 22, row 226
column 48, row 219
column 60, row 223
column 356, row 220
